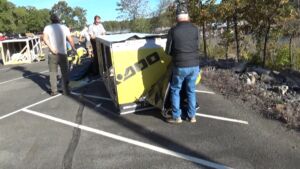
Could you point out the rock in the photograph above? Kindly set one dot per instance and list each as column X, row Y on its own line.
column 251, row 78
column 283, row 89
column 280, row 89
column 280, row 108
column 259, row 70
column 266, row 78
column 240, row 67
column 225, row 64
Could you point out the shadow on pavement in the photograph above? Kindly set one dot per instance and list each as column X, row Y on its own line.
column 40, row 79
column 154, row 137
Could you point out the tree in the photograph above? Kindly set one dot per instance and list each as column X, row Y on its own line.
column 79, row 16
column 20, row 14
column 163, row 16
column 141, row 25
column 7, row 19
column 37, row 19
column 64, row 12
column 232, row 12
column 132, row 9
column 201, row 13
column 262, row 16
column 74, row 18
column 290, row 27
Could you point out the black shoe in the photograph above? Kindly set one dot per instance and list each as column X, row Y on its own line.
column 54, row 93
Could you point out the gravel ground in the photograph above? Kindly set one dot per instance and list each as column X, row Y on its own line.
column 275, row 95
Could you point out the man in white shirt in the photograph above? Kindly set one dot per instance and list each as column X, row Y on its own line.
column 55, row 36
column 96, row 30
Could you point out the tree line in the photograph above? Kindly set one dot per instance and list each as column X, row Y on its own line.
column 15, row 19
column 263, row 24
column 252, row 29
column 260, row 31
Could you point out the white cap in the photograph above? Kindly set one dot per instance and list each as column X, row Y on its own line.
column 183, row 16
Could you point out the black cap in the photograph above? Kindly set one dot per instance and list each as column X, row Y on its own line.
column 181, row 7
column 54, row 18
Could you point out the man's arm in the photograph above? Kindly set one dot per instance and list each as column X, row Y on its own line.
column 169, row 43
column 80, row 37
column 91, row 33
column 46, row 40
column 70, row 39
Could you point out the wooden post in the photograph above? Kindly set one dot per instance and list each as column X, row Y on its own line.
column 2, row 52
column 28, row 50
column 40, row 46
column 32, row 51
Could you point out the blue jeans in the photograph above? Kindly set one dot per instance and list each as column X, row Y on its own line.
column 189, row 75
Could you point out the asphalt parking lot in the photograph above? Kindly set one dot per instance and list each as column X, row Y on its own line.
column 82, row 131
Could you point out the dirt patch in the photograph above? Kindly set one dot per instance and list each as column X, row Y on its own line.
column 274, row 94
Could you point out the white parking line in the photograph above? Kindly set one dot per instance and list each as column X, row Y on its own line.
column 137, row 110
column 37, row 103
column 4, row 69
column 12, row 80
column 222, row 118
column 206, row 92
column 131, row 141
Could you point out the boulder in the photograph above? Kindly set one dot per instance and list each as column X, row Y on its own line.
column 240, row 67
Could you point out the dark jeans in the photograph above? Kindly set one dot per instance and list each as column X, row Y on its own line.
column 54, row 61
column 95, row 64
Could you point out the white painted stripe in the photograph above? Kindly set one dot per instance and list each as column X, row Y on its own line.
column 222, row 118
column 138, row 110
column 12, row 80
column 131, row 141
column 5, row 69
column 17, row 111
column 206, row 92
column 92, row 96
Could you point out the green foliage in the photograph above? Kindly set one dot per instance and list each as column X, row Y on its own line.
column 22, row 19
column 116, row 26
column 296, row 62
column 282, row 58
column 37, row 19
column 141, row 25
column 216, row 52
column 7, row 23
column 29, row 19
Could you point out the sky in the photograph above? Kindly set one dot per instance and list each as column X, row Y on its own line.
column 104, row 8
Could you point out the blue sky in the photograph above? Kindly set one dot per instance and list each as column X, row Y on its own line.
column 105, row 8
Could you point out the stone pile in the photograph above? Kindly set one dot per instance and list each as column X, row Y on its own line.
column 272, row 93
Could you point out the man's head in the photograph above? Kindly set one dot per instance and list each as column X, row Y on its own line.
column 182, row 18
column 97, row 20
column 54, row 18
column 182, row 11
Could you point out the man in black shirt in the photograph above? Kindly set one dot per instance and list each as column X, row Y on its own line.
column 183, row 46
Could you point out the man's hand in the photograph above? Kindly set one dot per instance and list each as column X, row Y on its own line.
column 53, row 51
column 47, row 42
column 74, row 52
column 92, row 36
